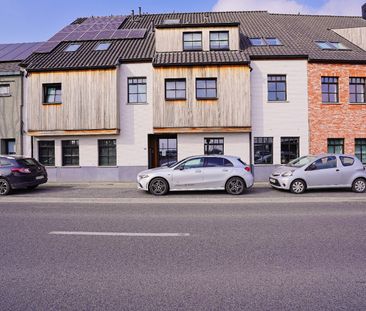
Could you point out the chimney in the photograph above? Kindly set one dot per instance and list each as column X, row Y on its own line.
column 133, row 14
column 364, row 11
column 140, row 11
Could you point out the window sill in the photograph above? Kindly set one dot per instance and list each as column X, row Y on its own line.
column 51, row 104
column 357, row 104
column 207, row 99
column 278, row 101
column 331, row 104
column 175, row 99
column 107, row 166
column 192, row 50
column 70, row 166
column 136, row 104
column 264, row 164
column 5, row 95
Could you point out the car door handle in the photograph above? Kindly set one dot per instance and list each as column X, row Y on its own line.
column 198, row 171
column 337, row 170
column 225, row 170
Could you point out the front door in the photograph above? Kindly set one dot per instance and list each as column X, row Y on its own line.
column 323, row 172
column 162, row 150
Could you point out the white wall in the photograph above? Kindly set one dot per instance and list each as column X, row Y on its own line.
column 235, row 144
column 276, row 119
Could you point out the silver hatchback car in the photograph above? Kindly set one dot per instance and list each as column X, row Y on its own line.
column 214, row 172
column 322, row 171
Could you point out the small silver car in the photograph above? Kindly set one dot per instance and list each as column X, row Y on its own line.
column 213, row 172
column 322, row 171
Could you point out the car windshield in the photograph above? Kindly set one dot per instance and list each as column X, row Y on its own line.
column 300, row 162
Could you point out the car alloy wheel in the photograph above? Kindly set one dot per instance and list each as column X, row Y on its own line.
column 4, row 187
column 158, row 186
column 359, row 185
column 298, row 187
column 235, row 185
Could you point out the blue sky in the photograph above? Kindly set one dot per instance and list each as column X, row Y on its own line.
column 38, row 20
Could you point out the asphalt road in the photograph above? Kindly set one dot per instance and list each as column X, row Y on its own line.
column 215, row 252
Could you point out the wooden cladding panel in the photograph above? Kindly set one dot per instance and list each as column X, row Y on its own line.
column 89, row 101
column 231, row 109
column 355, row 35
column 171, row 39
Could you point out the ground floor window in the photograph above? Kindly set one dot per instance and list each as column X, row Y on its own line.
column 8, row 146
column 335, row 145
column 214, row 145
column 107, row 152
column 360, row 149
column 263, row 150
column 46, row 152
column 289, row 149
column 70, row 152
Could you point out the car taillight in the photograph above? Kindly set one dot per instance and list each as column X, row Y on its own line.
column 21, row 170
column 247, row 168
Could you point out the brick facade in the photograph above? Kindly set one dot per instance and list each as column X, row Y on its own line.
column 341, row 120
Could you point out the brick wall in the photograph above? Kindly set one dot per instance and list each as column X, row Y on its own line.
column 342, row 120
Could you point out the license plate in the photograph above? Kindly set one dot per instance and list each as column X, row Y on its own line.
column 39, row 177
column 272, row 180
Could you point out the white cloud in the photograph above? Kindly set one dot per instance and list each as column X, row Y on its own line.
column 330, row 7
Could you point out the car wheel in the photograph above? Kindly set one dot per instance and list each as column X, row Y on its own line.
column 4, row 187
column 359, row 185
column 298, row 186
column 158, row 186
column 32, row 187
column 235, row 186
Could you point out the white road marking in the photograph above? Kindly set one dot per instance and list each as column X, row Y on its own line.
column 128, row 234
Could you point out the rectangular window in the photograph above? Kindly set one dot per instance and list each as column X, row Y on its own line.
column 335, row 145
column 263, row 150
column 357, row 90
column 4, row 89
column 289, row 149
column 206, row 88
column 277, row 88
column 52, row 93
column 360, row 152
column 214, row 145
column 46, row 152
column 329, row 89
column 175, row 89
column 137, row 90
column 192, row 41
column 107, row 152
column 219, row 40
column 70, row 152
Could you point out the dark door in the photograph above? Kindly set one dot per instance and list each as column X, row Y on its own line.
column 162, row 150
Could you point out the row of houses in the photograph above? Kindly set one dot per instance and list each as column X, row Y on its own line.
column 107, row 97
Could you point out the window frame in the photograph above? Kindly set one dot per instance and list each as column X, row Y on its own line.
column 328, row 93
column 226, row 48
column 97, row 47
column 334, row 145
column 276, row 91
column 112, row 152
column 192, row 33
column 263, row 143
column 6, row 85
column 67, row 49
column 206, row 88
column 45, row 87
column 207, row 144
column 71, row 156
column 362, row 150
column 137, row 94
column 50, row 155
column 289, row 144
column 175, row 80
column 356, row 93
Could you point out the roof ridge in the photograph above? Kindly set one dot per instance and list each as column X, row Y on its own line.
column 317, row 15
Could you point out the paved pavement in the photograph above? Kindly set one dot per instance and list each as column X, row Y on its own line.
column 266, row 250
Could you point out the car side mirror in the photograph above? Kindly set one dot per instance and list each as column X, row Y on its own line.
column 181, row 168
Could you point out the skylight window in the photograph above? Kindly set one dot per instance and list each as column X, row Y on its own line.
column 265, row 41
column 273, row 41
column 103, row 46
column 326, row 45
column 171, row 21
column 72, row 47
column 257, row 41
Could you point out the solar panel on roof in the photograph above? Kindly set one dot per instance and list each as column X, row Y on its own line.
column 59, row 36
column 90, row 35
column 75, row 35
column 137, row 34
column 104, row 35
column 47, row 47
column 97, row 27
column 121, row 34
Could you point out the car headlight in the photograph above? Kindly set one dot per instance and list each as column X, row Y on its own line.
column 287, row 174
column 143, row 176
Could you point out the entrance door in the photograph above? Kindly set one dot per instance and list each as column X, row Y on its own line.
column 162, row 150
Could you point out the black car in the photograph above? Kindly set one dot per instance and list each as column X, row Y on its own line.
column 18, row 172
